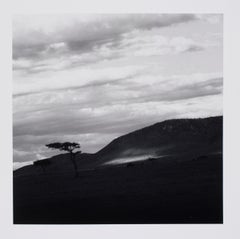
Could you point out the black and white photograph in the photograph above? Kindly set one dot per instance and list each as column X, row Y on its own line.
column 117, row 118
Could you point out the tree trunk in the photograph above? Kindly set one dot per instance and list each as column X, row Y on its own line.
column 74, row 164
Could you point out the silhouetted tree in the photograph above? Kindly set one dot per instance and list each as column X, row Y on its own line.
column 69, row 147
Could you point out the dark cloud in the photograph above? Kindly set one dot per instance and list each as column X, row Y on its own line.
column 194, row 48
column 84, row 37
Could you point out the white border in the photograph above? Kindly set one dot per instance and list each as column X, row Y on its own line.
column 230, row 229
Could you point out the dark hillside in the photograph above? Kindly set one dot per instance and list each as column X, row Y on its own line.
column 168, row 137
column 179, row 182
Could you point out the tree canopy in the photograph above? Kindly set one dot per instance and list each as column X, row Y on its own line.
column 66, row 146
column 69, row 147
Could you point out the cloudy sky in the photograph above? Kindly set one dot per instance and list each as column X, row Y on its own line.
column 92, row 78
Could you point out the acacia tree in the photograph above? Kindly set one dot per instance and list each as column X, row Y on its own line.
column 69, row 147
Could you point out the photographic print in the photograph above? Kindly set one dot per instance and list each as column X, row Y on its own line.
column 117, row 118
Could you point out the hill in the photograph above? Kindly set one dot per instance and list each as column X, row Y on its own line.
column 180, row 181
column 178, row 136
column 171, row 137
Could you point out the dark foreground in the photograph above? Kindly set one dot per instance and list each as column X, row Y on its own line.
column 166, row 190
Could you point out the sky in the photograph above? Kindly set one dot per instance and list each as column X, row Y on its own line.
column 90, row 78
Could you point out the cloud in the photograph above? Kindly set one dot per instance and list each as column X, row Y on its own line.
column 81, row 32
column 142, row 44
column 211, row 18
column 80, row 77
column 17, row 165
column 21, row 155
column 79, row 39
column 134, row 44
